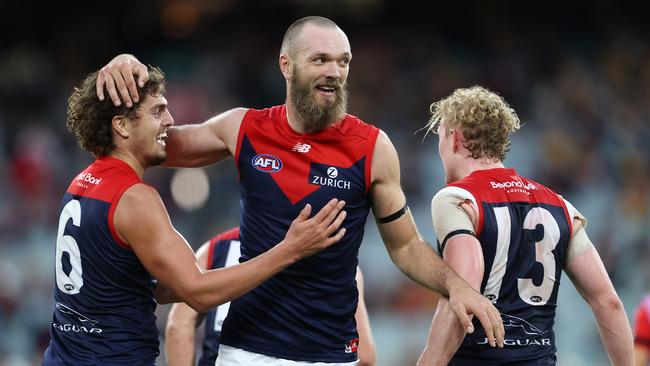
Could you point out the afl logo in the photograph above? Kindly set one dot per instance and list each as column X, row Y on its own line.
column 332, row 172
column 267, row 163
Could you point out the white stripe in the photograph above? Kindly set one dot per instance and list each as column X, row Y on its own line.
column 234, row 252
column 499, row 265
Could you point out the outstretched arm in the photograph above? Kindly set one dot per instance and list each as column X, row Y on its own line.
column 590, row 278
column 181, row 325
column 414, row 256
column 366, row 352
column 142, row 222
column 463, row 254
column 187, row 146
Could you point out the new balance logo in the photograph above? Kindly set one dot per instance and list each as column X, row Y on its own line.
column 300, row 147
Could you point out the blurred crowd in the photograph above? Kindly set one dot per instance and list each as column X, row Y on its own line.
column 582, row 90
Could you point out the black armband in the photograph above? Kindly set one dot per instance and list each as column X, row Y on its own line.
column 392, row 217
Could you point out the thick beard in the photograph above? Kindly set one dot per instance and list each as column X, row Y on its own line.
column 315, row 116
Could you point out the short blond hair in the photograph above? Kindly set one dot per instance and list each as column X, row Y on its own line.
column 483, row 117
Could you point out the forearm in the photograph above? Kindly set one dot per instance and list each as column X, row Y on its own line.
column 164, row 295
column 188, row 146
column 420, row 262
column 445, row 336
column 615, row 332
column 219, row 286
column 179, row 336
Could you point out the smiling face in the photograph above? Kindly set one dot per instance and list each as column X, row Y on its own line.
column 318, row 65
column 149, row 130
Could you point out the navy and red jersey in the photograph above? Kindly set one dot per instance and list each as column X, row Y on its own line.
column 524, row 229
column 104, row 296
column 223, row 252
column 642, row 324
column 305, row 312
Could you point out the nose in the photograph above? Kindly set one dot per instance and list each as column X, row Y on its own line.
column 332, row 70
column 168, row 120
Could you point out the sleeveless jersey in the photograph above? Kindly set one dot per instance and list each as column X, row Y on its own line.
column 223, row 252
column 104, row 296
column 306, row 312
column 524, row 229
column 642, row 324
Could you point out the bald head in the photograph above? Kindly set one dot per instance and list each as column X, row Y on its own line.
column 291, row 36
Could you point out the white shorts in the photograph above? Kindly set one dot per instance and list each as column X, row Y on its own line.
column 231, row 356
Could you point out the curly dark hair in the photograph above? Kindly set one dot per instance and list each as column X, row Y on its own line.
column 90, row 119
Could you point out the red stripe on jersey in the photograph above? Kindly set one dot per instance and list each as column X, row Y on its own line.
column 269, row 132
column 504, row 185
column 240, row 138
column 369, row 154
column 106, row 180
column 230, row 234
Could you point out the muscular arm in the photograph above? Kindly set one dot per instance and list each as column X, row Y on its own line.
column 590, row 278
column 366, row 351
column 187, row 146
column 181, row 325
column 142, row 221
column 413, row 255
column 463, row 254
column 204, row 144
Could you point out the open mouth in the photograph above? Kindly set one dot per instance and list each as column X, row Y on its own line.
column 325, row 89
column 161, row 138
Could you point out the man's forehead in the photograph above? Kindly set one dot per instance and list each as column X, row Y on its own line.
column 327, row 40
column 152, row 100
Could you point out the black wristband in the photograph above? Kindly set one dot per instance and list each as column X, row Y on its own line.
column 392, row 217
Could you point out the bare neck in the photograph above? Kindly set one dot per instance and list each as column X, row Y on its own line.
column 471, row 165
column 130, row 160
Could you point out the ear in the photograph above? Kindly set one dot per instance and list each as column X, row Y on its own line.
column 286, row 66
column 120, row 126
column 457, row 139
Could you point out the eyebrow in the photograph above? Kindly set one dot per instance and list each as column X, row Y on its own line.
column 327, row 55
column 158, row 106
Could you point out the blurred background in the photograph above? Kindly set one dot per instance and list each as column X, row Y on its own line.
column 578, row 75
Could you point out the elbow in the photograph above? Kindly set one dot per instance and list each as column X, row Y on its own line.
column 198, row 303
column 607, row 303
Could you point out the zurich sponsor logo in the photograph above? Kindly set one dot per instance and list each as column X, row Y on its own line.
column 332, row 172
column 267, row 163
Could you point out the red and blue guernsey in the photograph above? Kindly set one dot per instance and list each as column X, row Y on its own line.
column 305, row 312
column 104, row 296
column 524, row 229
column 223, row 251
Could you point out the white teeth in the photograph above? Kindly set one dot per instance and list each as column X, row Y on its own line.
column 161, row 137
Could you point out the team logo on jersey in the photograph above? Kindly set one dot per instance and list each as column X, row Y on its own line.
column 301, row 147
column 331, row 180
column 352, row 345
column 267, row 163
column 88, row 178
column 515, row 322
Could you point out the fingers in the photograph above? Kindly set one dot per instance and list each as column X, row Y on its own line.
column 325, row 211
column 143, row 74
column 484, row 318
column 331, row 217
column 304, row 214
column 120, row 83
column 99, row 85
column 110, row 87
column 336, row 223
column 499, row 331
column 335, row 239
column 129, row 81
column 461, row 313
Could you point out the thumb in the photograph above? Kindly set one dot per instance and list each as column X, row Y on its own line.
column 304, row 213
